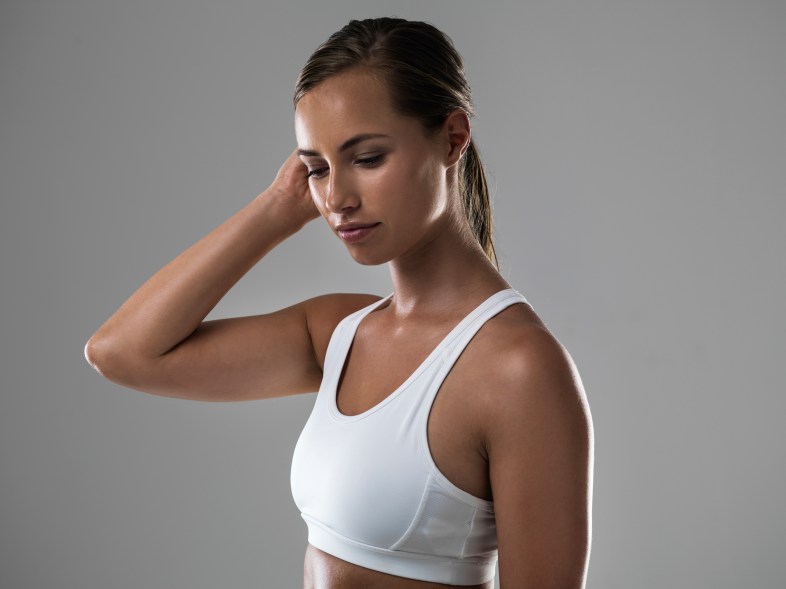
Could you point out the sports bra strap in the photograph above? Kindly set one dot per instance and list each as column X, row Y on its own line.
column 472, row 323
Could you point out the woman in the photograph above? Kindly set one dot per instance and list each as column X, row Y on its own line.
column 399, row 486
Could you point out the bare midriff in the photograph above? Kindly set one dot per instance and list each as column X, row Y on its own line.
column 324, row 571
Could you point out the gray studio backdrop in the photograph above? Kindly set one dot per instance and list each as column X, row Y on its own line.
column 637, row 155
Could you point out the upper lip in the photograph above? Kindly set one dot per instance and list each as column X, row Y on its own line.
column 348, row 226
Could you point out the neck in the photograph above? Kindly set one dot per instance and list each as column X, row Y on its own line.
column 448, row 272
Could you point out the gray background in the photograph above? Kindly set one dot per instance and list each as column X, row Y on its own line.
column 637, row 155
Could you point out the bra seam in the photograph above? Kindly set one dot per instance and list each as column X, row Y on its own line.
column 469, row 533
column 416, row 518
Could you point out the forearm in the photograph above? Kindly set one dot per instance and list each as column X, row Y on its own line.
column 169, row 306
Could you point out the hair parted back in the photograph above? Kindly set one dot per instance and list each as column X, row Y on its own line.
column 425, row 76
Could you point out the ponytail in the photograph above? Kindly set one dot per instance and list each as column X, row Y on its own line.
column 477, row 201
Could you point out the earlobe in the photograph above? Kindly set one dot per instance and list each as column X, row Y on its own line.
column 459, row 135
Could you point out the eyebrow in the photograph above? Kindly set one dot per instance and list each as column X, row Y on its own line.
column 346, row 145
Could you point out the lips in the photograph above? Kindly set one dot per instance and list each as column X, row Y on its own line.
column 354, row 232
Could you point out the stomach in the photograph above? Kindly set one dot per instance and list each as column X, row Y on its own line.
column 325, row 571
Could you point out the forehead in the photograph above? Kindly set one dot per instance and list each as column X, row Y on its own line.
column 342, row 106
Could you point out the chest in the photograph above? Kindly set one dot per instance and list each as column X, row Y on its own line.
column 376, row 366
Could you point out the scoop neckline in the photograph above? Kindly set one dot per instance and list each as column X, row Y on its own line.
column 432, row 356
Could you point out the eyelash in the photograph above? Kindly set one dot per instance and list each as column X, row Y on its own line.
column 366, row 161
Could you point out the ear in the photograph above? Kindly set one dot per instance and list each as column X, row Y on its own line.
column 458, row 134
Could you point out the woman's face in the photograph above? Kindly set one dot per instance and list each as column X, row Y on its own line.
column 371, row 168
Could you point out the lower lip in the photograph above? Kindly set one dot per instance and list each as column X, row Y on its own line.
column 355, row 235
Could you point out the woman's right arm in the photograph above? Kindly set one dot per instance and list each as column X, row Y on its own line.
column 158, row 341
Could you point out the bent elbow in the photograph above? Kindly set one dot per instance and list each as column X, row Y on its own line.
column 97, row 354
column 105, row 359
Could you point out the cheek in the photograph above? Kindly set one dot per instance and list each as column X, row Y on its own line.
column 384, row 184
column 412, row 184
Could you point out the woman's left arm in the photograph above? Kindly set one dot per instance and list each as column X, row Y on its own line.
column 540, row 447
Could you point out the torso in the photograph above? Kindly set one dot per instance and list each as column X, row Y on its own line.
column 380, row 359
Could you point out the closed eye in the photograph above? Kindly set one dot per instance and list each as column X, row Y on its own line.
column 316, row 173
column 370, row 161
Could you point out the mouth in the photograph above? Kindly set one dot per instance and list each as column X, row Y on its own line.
column 352, row 232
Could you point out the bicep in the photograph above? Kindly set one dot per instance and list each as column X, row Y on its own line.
column 540, row 462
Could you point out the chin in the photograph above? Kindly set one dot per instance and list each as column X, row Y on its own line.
column 368, row 258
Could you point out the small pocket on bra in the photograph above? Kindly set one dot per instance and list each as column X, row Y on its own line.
column 441, row 524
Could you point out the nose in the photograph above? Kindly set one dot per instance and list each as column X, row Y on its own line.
column 341, row 193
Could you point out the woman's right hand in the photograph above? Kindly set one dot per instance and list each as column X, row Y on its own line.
column 291, row 191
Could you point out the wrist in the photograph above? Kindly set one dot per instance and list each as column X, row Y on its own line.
column 289, row 213
column 278, row 209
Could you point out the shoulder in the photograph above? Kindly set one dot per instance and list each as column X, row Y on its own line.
column 529, row 376
column 325, row 312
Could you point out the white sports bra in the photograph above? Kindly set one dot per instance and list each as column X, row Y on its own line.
column 367, row 486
